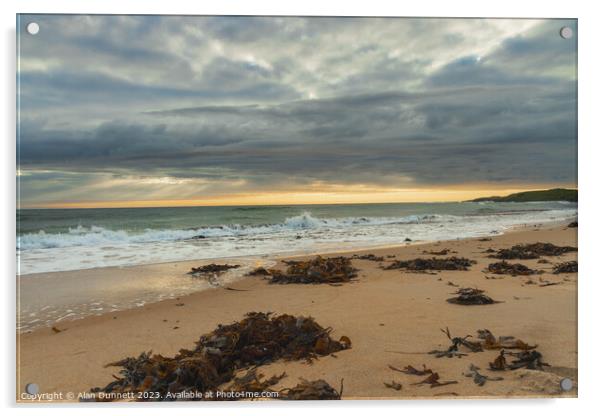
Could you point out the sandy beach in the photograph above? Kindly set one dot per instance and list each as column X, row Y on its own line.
column 392, row 318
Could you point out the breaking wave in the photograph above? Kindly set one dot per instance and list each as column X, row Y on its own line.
column 100, row 236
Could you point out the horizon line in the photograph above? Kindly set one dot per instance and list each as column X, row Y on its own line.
column 194, row 203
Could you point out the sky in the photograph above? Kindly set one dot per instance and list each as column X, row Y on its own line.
column 179, row 110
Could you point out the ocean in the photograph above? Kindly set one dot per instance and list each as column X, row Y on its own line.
column 52, row 240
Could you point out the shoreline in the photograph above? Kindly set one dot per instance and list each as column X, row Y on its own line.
column 183, row 266
column 298, row 233
column 291, row 254
column 410, row 307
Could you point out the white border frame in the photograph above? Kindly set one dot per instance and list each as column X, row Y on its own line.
column 590, row 69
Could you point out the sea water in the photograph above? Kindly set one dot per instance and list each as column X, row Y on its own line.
column 51, row 240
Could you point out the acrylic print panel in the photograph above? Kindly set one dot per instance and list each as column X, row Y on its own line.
column 391, row 199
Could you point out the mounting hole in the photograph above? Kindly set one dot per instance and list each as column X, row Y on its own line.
column 32, row 388
column 33, row 28
column 566, row 384
column 566, row 32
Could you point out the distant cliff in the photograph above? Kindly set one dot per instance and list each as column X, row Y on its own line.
column 557, row 194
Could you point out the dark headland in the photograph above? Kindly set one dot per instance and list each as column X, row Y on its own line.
column 557, row 194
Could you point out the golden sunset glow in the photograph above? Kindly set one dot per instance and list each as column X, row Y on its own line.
column 331, row 195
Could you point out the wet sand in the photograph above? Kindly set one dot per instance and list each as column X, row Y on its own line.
column 392, row 318
column 79, row 293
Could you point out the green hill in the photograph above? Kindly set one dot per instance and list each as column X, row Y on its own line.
column 557, row 194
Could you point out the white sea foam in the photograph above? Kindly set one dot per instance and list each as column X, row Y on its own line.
column 99, row 236
column 89, row 247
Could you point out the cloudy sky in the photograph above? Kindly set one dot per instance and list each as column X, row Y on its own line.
column 148, row 110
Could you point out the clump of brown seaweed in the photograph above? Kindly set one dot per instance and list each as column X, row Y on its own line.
column 566, row 267
column 311, row 390
column 211, row 269
column 252, row 382
column 491, row 342
column 443, row 252
column 514, row 269
column 457, row 342
column 258, row 339
column 318, row 270
column 432, row 379
column 532, row 360
column 471, row 296
column 532, row 251
column 421, row 265
column 259, row 271
column 370, row 257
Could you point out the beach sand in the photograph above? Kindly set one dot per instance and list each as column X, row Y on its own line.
column 392, row 318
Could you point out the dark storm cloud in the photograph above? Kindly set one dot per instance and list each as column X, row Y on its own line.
column 470, row 70
column 291, row 101
column 362, row 136
column 50, row 88
column 245, row 30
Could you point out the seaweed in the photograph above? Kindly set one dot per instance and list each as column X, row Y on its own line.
column 471, row 296
column 318, row 270
column 573, row 224
column 545, row 283
column 491, row 342
column 212, row 269
column 566, row 267
column 499, row 364
column 408, row 369
column 259, row 338
column 494, row 277
column 370, row 257
column 235, row 289
column 419, row 264
column 443, row 252
column 433, row 380
column 453, row 350
column 253, row 382
column 259, row 271
column 531, row 360
column 478, row 378
column 532, row 251
column 311, row 390
column 393, row 385
column 514, row 269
